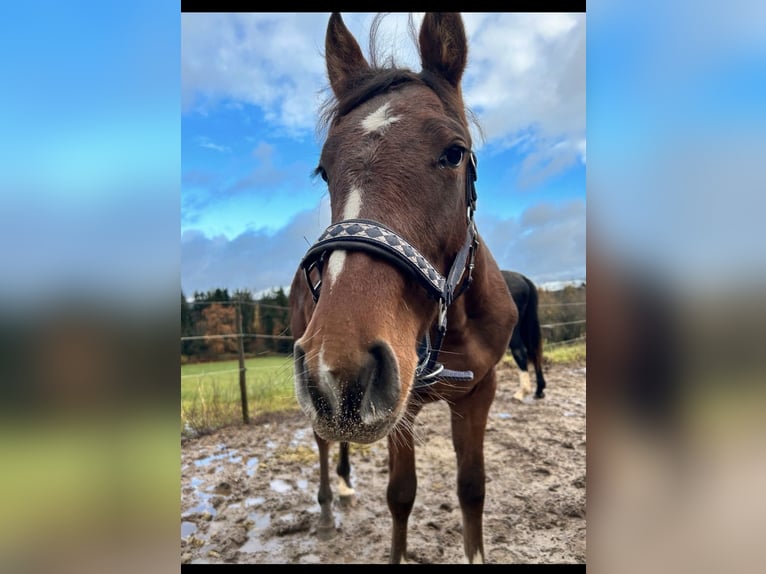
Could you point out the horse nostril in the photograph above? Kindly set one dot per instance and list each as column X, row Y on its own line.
column 380, row 378
column 307, row 391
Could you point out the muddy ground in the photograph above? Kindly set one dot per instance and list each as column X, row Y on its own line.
column 248, row 493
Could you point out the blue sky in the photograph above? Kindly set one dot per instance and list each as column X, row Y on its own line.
column 99, row 96
column 250, row 88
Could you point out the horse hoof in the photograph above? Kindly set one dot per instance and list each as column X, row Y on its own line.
column 346, row 501
column 326, row 532
column 540, row 395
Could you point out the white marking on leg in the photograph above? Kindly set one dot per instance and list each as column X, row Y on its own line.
column 344, row 489
column 379, row 119
column 524, row 386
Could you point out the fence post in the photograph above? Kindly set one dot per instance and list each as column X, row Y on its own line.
column 242, row 378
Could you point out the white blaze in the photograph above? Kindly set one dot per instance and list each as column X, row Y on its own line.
column 353, row 206
column 351, row 210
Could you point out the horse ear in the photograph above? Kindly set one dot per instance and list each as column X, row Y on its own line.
column 443, row 45
column 343, row 56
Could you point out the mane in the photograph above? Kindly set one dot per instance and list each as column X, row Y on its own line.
column 385, row 75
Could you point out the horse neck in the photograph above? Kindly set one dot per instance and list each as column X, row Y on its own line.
column 483, row 300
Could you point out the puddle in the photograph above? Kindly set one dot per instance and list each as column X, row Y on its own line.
column 231, row 455
column 204, row 503
column 255, row 544
column 258, row 500
column 302, row 483
column 252, row 465
column 299, row 437
column 279, row 485
column 202, row 507
column 260, row 520
column 187, row 528
column 204, row 497
column 271, row 445
column 206, row 460
column 503, row 415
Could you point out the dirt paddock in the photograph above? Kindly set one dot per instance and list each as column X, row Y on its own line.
column 248, row 493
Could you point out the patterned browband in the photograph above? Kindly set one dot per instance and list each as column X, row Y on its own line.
column 372, row 236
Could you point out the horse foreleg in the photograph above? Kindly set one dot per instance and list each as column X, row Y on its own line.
column 343, row 469
column 402, row 486
column 326, row 527
column 469, row 422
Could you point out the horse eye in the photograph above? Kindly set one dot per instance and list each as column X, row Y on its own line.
column 321, row 172
column 452, row 156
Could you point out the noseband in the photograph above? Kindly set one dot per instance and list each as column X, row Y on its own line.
column 376, row 238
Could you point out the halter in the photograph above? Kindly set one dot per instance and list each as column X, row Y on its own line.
column 374, row 237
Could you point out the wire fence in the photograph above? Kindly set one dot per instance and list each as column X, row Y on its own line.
column 238, row 336
column 565, row 342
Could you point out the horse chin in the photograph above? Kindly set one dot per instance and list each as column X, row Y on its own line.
column 345, row 431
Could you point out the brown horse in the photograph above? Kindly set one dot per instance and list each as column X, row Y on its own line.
column 399, row 303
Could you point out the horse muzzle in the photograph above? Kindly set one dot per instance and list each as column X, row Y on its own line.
column 352, row 398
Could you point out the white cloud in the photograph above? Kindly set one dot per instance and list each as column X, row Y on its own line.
column 524, row 69
column 546, row 242
column 205, row 142
column 526, row 77
column 270, row 60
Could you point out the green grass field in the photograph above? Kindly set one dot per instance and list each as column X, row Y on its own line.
column 210, row 396
column 562, row 354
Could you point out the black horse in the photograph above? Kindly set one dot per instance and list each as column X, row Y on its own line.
column 526, row 342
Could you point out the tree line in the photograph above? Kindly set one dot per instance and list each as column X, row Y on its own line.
column 216, row 312
column 565, row 310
